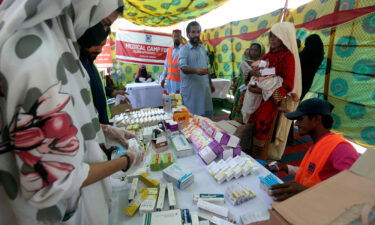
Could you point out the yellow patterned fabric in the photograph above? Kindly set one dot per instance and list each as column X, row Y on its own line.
column 160, row 13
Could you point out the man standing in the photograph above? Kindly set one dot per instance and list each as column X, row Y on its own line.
column 329, row 154
column 171, row 73
column 196, row 86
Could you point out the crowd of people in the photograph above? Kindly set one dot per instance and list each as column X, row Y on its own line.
column 54, row 113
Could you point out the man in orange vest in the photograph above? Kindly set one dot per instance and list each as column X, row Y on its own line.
column 171, row 74
column 329, row 154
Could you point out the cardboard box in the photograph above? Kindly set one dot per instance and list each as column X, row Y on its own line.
column 230, row 126
column 337, row 200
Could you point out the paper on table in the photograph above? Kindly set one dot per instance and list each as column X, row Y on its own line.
column 255, row 216
column 119, row 98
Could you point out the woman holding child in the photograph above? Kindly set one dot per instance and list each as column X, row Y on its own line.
column 283, row 56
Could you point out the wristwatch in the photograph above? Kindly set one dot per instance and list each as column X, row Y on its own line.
column 129, row 163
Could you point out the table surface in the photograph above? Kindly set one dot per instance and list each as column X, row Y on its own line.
column 203, row 183
column 142, row 85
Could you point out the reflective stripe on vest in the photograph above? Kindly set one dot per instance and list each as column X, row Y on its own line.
column 315, row 159
column 173, row 73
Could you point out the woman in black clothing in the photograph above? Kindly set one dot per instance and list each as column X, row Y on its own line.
column 311, row 57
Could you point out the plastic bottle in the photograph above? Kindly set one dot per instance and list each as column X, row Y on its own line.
column 168, row 106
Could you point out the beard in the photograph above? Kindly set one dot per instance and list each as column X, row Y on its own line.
column 195, row 40
column 91, row 56
column 177, row 43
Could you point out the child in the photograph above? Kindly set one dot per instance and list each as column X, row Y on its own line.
column 268, row 82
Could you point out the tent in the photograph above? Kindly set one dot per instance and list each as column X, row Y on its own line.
column 167, row 12
column 346, row 76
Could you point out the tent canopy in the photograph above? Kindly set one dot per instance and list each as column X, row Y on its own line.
column 167, row 12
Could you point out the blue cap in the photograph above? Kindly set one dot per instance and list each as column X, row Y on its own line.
column 311, row 106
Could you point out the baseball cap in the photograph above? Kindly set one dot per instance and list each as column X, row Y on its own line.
column 311, row 106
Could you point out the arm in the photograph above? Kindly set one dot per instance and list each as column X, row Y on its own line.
column 287, row 75
column 183, row 64
column 164, row 74
column 344, row 156
column 109, row 92
column 99, row 171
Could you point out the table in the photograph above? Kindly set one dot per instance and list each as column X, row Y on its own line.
column 221, row 88
column 144, row 95
column 203, row 183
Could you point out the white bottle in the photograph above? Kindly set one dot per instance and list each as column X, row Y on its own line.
column 168, row 104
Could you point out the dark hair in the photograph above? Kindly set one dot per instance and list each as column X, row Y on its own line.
column 257, row 44
column 192, row 24
column 93, row 36
column 120, row 9
column 327, row 120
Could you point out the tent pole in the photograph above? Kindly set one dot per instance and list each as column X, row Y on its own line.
column 329, row 55
column 284, row 12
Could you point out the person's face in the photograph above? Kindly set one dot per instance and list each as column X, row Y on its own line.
column 275, row 42
column 176, row 36
column 194, row 34
column 305, row 124
column 93, row 52
column 254, row 52
column 108, row 21
column 246, row 54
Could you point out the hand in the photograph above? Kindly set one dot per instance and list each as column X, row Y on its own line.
column 283, row 191
column 162, row 83
column 118, row 92
column 255, row 90
column 255, row 72
column 117, row 135
column 212, row 88
column 278, row 166
column 136, row 158
column 202, row 71
column 277, row 97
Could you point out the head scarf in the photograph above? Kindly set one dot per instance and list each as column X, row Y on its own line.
column 139, row 74
column 260, row 45
column 20, row 14
column 286, row 32
column 94, row 36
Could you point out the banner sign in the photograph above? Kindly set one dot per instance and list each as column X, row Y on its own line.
column 142, row 47
column 104, row 59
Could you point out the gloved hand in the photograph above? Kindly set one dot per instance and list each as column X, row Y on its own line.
column 117, row 135
column 136, row 158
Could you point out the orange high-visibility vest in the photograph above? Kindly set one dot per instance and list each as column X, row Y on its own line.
column 173, row 73
column 315, row 159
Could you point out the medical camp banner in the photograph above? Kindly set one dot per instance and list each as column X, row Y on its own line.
column 142, row 47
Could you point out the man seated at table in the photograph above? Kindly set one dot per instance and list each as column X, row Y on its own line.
column 171, row 74
column 329, row 154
